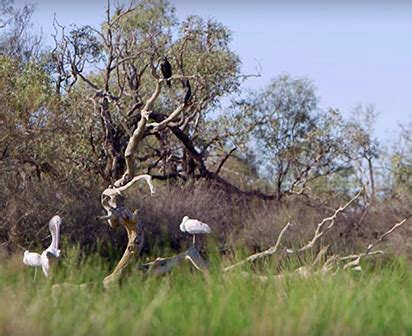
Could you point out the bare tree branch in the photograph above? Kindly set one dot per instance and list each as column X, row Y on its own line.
column 356, row 258
column 165, row 265
column 224, row 160
column 321, row 228
column 270, row 251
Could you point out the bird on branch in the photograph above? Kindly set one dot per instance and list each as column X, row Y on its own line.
column 194, row 227
column 166, row 69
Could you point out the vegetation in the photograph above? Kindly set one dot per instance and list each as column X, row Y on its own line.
column 83, row 121
column 183, row 303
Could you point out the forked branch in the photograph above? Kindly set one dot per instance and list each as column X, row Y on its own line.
column 327, row 223
column 354, row 260
column 270, row 251
column 165, row 265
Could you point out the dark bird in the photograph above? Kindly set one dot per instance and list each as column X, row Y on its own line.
column 166, row 69
column 188, row 95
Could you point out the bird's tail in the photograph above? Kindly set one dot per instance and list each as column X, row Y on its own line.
column 169, row 83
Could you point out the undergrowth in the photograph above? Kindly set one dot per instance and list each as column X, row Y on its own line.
column 185, row 302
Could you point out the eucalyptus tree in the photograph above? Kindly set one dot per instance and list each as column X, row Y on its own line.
column 401, row 163
column 118, row 67
column 294, row 141
column 363, row 146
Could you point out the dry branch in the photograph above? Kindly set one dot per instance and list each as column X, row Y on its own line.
column 270, row 251
column 319, row 232
column 387, row 233
column 172, row 117
column 355, row 259
column 321, row 228
column 224, row 160
column 138, row 134
column 165, row 265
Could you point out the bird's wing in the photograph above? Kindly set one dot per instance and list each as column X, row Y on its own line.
column 195, row 226
column 206, row 228
column 182, row 227
column 32, row 259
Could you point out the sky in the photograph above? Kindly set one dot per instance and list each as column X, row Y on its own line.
column 355, row 52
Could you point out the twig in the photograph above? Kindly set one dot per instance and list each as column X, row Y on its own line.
column 387, row 233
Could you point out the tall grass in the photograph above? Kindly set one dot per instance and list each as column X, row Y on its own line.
column 376, row 302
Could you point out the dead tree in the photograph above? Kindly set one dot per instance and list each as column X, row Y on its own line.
column 126, row 100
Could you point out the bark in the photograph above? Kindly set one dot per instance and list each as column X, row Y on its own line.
column 133, row 246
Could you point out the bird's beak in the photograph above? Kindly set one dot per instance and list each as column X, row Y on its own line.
column 57, row 236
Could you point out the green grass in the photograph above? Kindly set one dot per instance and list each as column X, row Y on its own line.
column 376, row 302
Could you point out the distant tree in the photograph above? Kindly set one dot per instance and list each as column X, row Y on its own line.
column 16, row 32
column 39, row 134
column 293, row 140
column 363, row 146
column 401, row 163
column 35, row 133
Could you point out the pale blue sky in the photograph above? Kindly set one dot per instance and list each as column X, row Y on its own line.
column 355, row 54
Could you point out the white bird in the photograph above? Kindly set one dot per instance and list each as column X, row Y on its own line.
column 194, row 227
column 34, row 259
column 54, row 227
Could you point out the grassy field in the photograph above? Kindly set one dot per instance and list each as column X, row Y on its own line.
column 375, row 302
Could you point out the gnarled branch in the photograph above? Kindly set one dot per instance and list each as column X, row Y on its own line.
column 270, row 251
column 321, row 228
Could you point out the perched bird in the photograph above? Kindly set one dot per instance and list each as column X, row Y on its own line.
column 33, row 259
column 166, row 69
column 188, row 95
column 194, row 227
